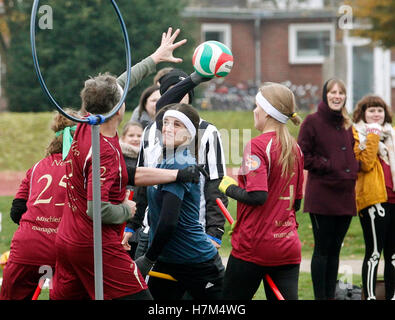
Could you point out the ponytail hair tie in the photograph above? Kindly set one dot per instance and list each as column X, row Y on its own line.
column 67, row 140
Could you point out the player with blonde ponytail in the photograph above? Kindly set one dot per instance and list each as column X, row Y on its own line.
column 269, row 192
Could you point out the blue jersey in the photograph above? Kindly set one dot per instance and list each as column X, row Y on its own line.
column 189, row 243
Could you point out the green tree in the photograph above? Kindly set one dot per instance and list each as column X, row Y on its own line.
column 380, row 19
column 86, row 39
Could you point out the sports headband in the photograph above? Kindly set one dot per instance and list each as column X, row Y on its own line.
column 183, row 118
column 269, row 109
column 120, row 89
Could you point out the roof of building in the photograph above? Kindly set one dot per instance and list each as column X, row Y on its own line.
column 249, row 13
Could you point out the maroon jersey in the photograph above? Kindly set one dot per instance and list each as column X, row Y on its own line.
column 388, row 181
column 74, row 275
column 267, row 234
column 44, row 188
column 77, row 227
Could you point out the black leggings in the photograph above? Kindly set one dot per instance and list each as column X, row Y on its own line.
column 197, row 281
column 329, row 233
column 142, row 295
column 242, row 280
column 378, row 225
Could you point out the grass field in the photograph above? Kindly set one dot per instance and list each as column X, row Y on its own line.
column 24, row 137
column 352, row 248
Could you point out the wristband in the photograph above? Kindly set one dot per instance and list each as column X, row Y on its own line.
column 215, row 239
column 128, row 230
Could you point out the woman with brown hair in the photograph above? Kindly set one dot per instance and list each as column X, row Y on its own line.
column 268, row 193
column 327, row 142
column 145, row 112
column 179, row 245
column 38, row 208
column 375, row 196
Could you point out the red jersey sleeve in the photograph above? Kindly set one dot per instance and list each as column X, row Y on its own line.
column 24, row 188
column 255, row 168
column 300, row 164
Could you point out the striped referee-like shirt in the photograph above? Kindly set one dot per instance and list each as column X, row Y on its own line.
column 211, row 155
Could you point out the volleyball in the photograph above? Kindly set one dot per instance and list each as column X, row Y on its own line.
column 212, row 58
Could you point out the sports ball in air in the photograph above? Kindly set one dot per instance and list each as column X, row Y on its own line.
column 212, row 58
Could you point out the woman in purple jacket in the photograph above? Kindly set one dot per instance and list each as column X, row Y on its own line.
column 327, row 142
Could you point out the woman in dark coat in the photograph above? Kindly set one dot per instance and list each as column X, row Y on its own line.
column 327, row 143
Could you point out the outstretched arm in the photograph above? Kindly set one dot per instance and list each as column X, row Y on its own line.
column 146, row 176
column 178, row 91
column 164, row 53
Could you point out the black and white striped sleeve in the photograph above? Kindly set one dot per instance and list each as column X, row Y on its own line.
column 211, row 152
column 211, row 155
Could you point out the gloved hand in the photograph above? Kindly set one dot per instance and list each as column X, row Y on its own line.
column 144, row 264
column 225, row 183
column 191, row 174
column 297, row 204
column 230, row 232
column 197, row 78
column 374, row 128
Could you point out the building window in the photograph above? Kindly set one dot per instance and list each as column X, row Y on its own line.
column 221, row 32
column 310, row 42
column 393, row 74
column 1, row 75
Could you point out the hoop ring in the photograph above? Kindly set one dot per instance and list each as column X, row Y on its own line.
column 94, row 119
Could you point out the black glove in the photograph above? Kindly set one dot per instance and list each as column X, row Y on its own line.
column 144, row 264
column 191, row 174
column 197, row 78
column 18, row 209
column 297, row 204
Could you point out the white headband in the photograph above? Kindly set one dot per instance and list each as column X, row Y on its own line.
column 120, row 89
column 269, row 109
column 183, row 118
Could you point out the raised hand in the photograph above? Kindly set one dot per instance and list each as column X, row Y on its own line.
column 164, row 53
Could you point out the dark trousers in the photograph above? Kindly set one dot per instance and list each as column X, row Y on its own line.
column 242, row 280
column 142, row 243
column 329, row 233
column 378, row 225
column 200, row 281
column 142, row 295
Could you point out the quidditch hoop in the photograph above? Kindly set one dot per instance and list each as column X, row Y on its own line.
column 94, row 119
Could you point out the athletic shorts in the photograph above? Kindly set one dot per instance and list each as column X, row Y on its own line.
column 19, row 281
column 74, row 278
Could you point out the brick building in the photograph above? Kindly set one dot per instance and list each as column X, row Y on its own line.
column 3, row 42
column 300, row 46
column 299, row 43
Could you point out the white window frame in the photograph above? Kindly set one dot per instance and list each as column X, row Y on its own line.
column 294, row 28
column 392, row 74
column 1, row 77
column 381, row 69
column 226, row 28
